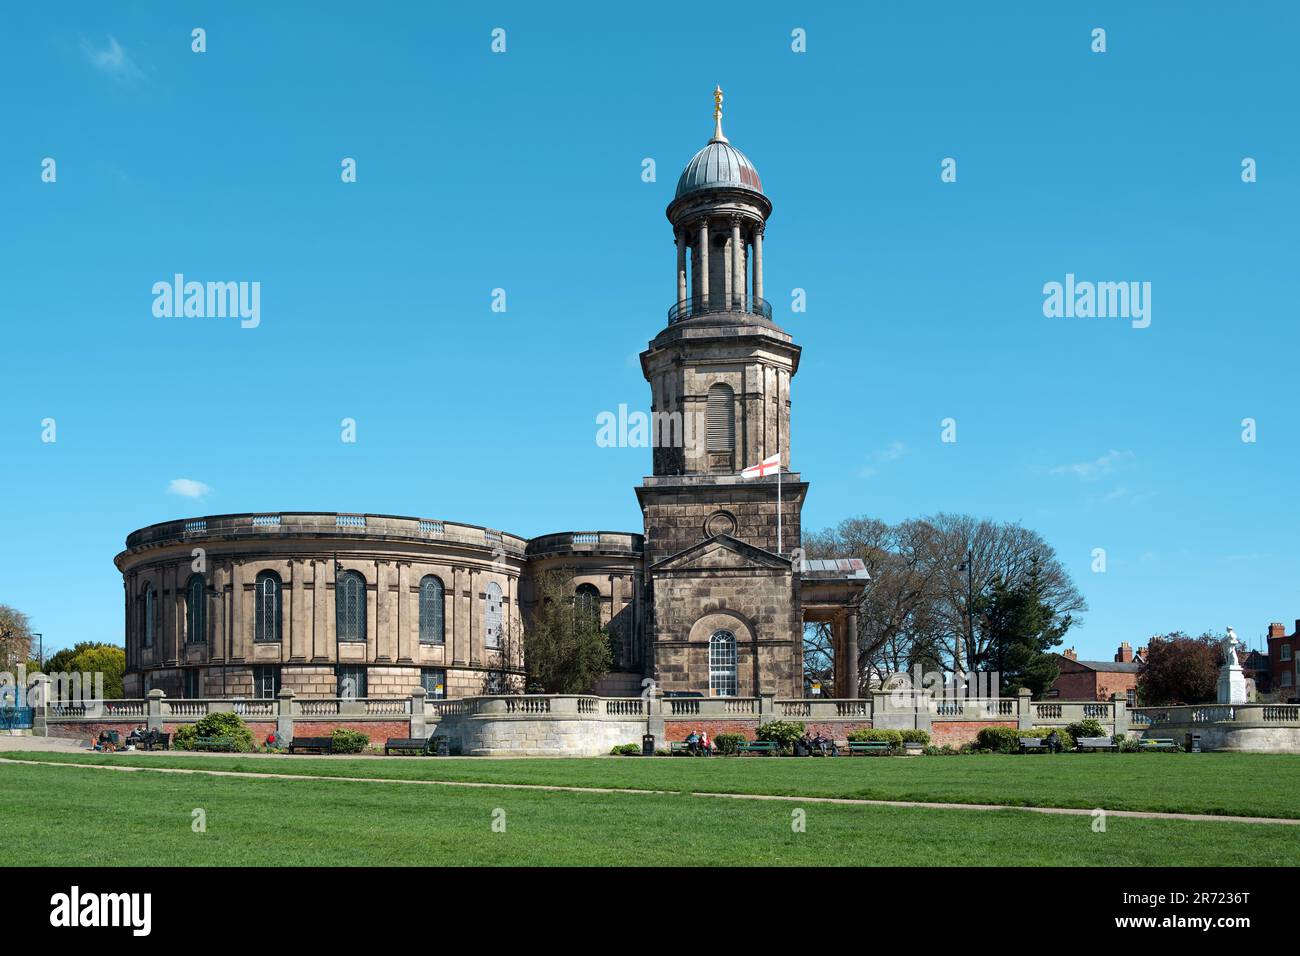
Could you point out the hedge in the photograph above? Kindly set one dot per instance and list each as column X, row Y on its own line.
column 1007, row 739
column 349, row 741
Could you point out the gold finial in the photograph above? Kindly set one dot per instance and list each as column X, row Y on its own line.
column 717, row 117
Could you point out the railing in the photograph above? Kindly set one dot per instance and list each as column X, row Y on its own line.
column 430, row 527
column 586, row 705
column 795, row 708
column 257, row 708
column 1282, row 712
column 1211, row 715
column 318, row 708
column 1047, row 711
column 387, row 707
column 185, row 708
column 528, row 705
column 1240, row 715
column 718, row 302
column 192, row 527
column 625, row 707
column 349, row 521
column 266, row 521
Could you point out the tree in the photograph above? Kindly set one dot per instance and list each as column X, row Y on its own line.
column 1178, row 669
column 92, row 657
column 566, row 650
column 15, row 637
column 922, row 602
column 1021, row 629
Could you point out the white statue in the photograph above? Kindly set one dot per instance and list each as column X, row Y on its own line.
column 1232, row 681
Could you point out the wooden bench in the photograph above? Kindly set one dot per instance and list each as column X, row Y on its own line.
column 1095, row 743
column 870, row 747
column 156, row 740
column 1033, row 745
column 1157, row 743
column 324, row 745
column 214, row 743
column 406, row 745
column 679, row 748
column 768, row 748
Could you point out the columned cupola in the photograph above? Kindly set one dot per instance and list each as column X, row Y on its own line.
column 718, row 216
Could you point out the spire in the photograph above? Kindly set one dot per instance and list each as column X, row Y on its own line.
column 717, row 117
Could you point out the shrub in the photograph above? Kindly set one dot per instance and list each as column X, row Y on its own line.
column 1127, row 744
column 1086, row 728
column 225, row 725
column 783, row 732
column 1006, row 740
column 945, row 751
column 349, row 741
column 183, row 738
column 662, row 752
column 916, row 737
column 892, row 737
column 726, row 744
column 625, row 750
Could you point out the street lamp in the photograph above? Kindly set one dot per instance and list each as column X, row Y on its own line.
column 969, row 567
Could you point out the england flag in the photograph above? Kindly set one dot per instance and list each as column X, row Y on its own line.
column 768, row 466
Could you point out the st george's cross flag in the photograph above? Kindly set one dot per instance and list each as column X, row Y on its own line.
column 768, row 466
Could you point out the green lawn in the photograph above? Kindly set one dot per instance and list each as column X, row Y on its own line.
column 1263, row 785
column 64, row 816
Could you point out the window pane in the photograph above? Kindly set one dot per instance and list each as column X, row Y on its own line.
column 722, row 664
column 431, row 611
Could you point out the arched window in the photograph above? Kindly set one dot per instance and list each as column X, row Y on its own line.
column 196, row 616
column 266, row 607
column 722, row 664
column 586, row 602
column 492, row 617
column 350, row 607
column 431, row 606
column 721, row 419
column 147, row 614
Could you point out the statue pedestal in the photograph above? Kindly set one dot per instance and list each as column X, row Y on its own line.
column 1232, row 684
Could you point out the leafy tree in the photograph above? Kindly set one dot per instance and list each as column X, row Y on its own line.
column 92, row 657
column 1021, row 628
column 15, row 637
column 1178, row 669
column 566, row 650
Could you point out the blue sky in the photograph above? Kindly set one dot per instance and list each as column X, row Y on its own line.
column 522, row 171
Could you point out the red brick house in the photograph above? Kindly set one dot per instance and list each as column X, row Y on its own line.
column 1282, row 659
column 1098, row 680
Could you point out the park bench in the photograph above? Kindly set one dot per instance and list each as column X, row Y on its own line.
column 768, row 748
column 323, row 745
column 1033, row 745
column 870, row 747
column 156, row 740
column 1095, row 743
column 679, row 748
column 1157, row 743
column 406, row 745
column 214, row 743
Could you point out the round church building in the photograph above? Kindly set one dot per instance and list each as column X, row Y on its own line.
column 326, row 605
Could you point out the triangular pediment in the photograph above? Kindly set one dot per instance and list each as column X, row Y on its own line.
column 723, row 552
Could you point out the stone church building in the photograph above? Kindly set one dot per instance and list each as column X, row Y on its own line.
column 710, row 599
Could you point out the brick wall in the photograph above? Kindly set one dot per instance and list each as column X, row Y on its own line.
column 954, row 733
column 680, row 728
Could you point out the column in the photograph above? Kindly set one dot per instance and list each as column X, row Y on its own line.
column 298, row 624
column 758, row 263
column 737, row 267
column 851, row 658
column 681, row 265
column 238, row 633
column 704, row 264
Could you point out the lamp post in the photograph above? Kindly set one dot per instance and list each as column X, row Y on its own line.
column 968, row 566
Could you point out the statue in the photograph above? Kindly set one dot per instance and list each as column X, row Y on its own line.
column 1232, row 681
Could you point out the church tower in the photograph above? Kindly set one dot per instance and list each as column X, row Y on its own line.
column 725, row 597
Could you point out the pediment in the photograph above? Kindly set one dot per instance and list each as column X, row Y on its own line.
column 723, row 552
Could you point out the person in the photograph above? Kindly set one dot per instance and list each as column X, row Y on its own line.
column 1054, row 742
column 693, row 742
column 706, row 745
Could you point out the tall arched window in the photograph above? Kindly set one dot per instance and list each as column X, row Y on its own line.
column 722, row 664
column 492, row 617
column 586, row 601
column 350, row 607
column 431, row 607
column 721, row 419
column 196, row 616
column 266, row 607
column 148, row 612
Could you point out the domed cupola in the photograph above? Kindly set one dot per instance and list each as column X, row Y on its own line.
column 718, row 214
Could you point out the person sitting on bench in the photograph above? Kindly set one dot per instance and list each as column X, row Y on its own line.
column 1054, row 742
column 706, row 745
column 693, row 742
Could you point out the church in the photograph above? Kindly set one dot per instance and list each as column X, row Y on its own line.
column 710, row 599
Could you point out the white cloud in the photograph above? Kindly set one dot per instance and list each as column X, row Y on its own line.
column 112, row 59
column 1092, row 470
column 891, row 452
column 187, row 488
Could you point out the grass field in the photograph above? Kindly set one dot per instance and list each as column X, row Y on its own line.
column 63, row 815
